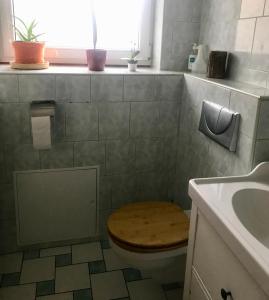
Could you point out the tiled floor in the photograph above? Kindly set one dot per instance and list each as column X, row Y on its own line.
column 87, row 271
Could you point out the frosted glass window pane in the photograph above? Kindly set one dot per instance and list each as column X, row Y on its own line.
column 68, row 24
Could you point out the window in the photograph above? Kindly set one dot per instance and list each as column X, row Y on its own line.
column 67, row 27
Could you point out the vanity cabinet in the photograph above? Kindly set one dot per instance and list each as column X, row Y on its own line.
column 212, row 267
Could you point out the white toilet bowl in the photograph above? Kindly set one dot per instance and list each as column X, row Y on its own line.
column 148, row 261
column 149, row 236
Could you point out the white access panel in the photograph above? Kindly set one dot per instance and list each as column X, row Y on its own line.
column 56, row 205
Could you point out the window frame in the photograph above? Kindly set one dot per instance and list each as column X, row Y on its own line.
column 77, row 56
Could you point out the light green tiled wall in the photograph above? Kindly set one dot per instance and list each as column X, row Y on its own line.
column 126, row 124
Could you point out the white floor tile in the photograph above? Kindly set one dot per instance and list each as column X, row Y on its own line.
column 10, row 263
column 145, row 289
column 73, row 277
column 20, row 292
column 86, row 252
column 63, row 296
column 113, row 262
column 55, row 251
column 176, row 294
column 110, row 285
column 39, row 269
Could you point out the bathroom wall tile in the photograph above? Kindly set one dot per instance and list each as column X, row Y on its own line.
column 59, row 156
column 243, row 157
column 250, row 9
column 20, row 158
column 251, row 76
column 7, row 202
column 244, row 35
column 139, row 88
column 263, row 129
column 261, row 153
column 2, row 166
column 81, row 121
column 266, row 10
column 170, row 153
column 183, row 10
column 261, row 39
column 247, row 106
column 149, row 154
column 219, row 17
column 89, row 154
column 36, row 87
column 58, row 123
column 75, row 88
column 120, row 156
column 107, row 87
column 168, row 88
column 103, row 216
column 169, row 118
column 14, row 123
column 151, row 186
column 105, row 187
column 145, row 119
column 114, row 120
column 123, row 189
column 114, row 283
column 9, row 91
column 186, row 31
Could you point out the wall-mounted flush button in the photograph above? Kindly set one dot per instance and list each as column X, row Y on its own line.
column 220, row 124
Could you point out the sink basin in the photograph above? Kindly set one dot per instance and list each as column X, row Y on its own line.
column 252, row 209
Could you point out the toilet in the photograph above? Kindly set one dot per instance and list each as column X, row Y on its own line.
column 149, row 235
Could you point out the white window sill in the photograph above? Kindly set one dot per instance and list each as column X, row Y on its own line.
column 83, row 70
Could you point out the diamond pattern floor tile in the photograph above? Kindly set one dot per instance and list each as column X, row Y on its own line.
column 70, row 278
column 145, row 289
column 109, row 285
column 39, row 269
column 20, row 292
column 86, row 252
column 44, row 288
column 10, row 263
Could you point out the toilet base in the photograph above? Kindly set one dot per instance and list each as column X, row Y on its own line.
column 148, row 261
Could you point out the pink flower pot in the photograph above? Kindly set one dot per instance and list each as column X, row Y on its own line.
column 96, row 59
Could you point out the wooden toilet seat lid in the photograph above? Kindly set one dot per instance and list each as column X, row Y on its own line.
column 149, row 225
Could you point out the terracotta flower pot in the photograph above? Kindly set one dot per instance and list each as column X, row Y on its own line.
column 29, row 52
column 96, row 59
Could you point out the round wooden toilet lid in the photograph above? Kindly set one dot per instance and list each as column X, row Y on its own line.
column 149, row 225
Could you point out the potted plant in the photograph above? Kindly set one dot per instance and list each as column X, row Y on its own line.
column 132, row 60
column 96, row 58
column 28, row 50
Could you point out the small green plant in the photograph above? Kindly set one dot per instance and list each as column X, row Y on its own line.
column 27, row 34
column 133, row 56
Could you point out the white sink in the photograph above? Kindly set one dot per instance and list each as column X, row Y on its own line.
column 238, row 207
column 252, row 209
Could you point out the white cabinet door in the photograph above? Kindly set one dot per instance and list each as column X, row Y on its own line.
column 219, row 268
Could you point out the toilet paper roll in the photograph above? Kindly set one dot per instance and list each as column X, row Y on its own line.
column 41, row 132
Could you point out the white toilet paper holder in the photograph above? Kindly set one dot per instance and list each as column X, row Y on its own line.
column 43, row 108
